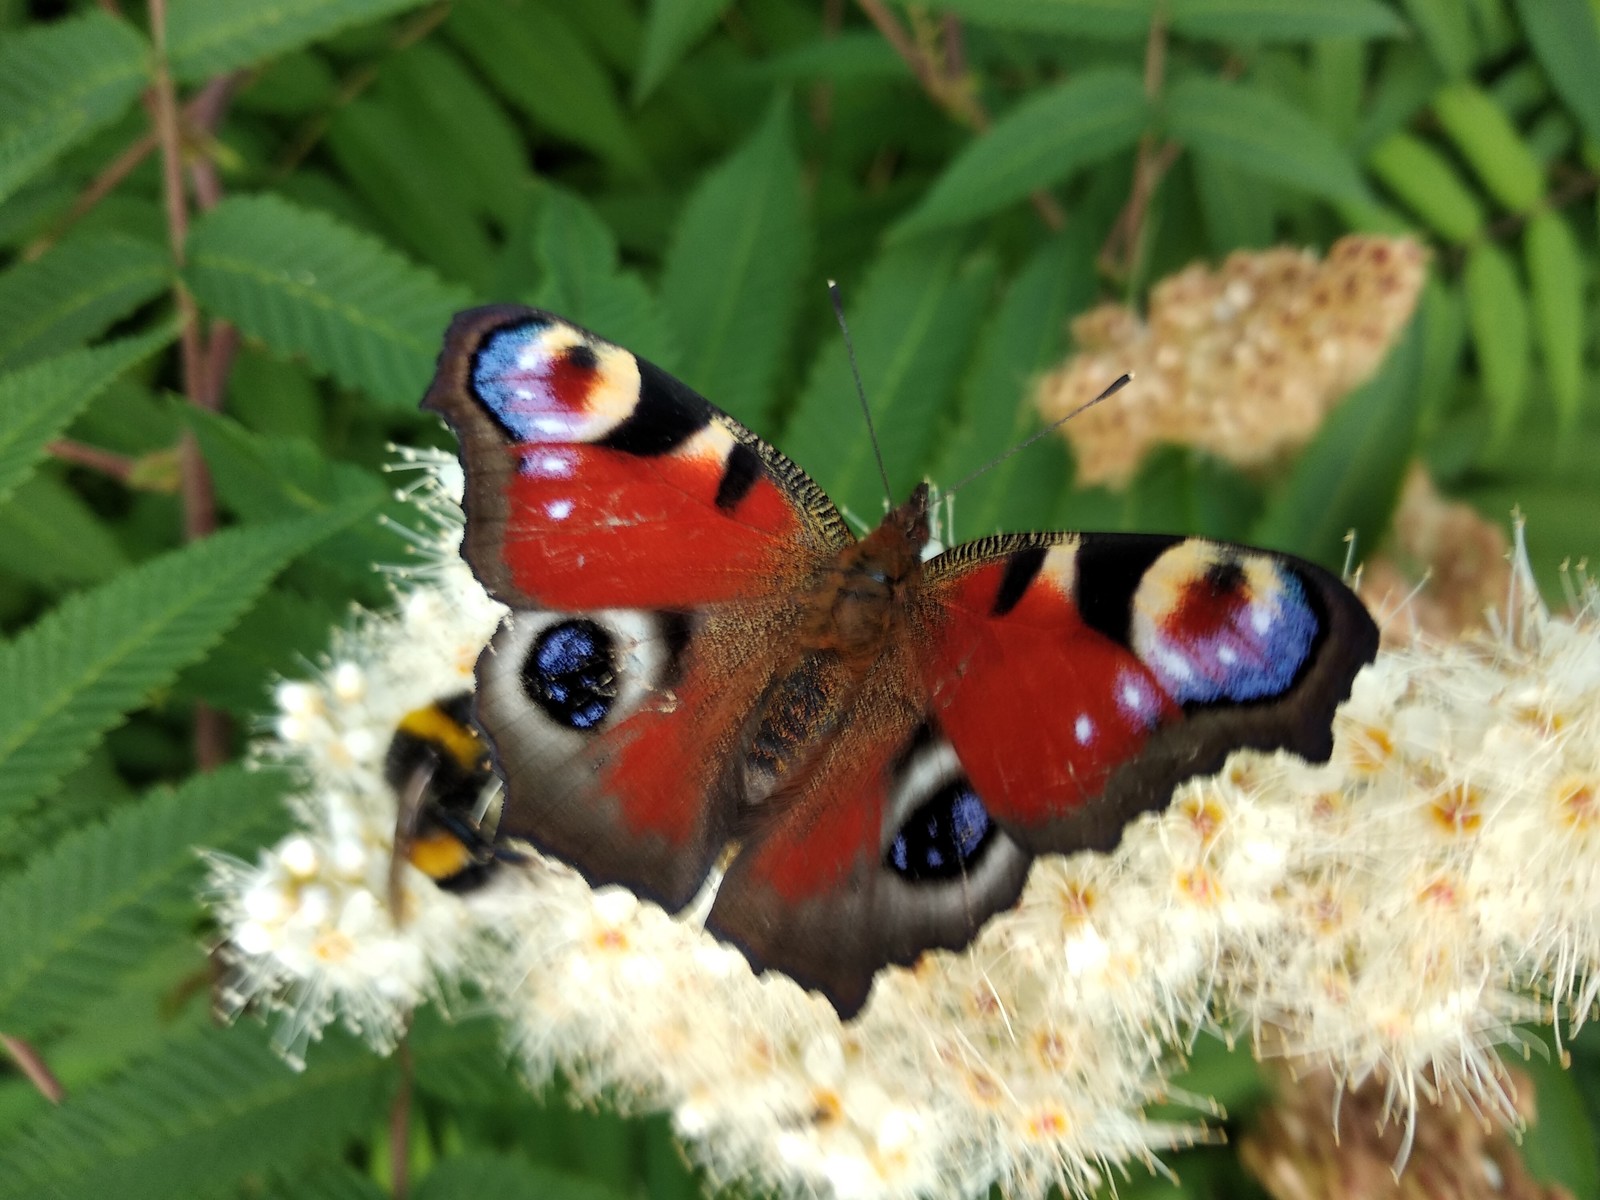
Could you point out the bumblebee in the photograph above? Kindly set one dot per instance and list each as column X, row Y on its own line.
column 445, row 788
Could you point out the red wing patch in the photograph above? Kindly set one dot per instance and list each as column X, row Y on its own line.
column 1041, row 707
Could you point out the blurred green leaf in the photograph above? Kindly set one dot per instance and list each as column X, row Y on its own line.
column 1497, row 314
column 1026, row 335
column 1446, row 28
column 1121, row 20
column 212, row 37
column 305, row 284
column 912, row 322
column 37, row 402
column 531, row 54
column 733, row 273
column 1349, row 476
column 1282, row 20
column 1260, row 135
column 1487, row 139
column 78, row 670
column 1039, row 142
column 1558, row 1145
column 75, row 293
column 61, row 83
column 1566, row 38
column 483, row 1176
column 1556, row 283
column 1429, row 184
column 670, row 29
column 50, row 536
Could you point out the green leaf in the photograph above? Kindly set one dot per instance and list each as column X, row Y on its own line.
column 672, row 27
column 211, row 37
column 1497, row 314
column 61, row 83
column 733, row 274
column 76, row 672
column 1566, row 39
column 577, row 256
column 1446, row 27
column 1487, row 139
column 75, row 293
column 1282, row 20
column 1558, row 1145
column 1041, row 141
column 1261, row 135
column 912, row 322
column 531, row 54
column 1556, row 285
column 306, row 284
column 479, row 1175
column 86, row 912
column 39, row 401
column 417, row 191
column 1350, row 474
column 1026, row 335
column 203, row 1113
column 1117, row 20
column 50, row 536
column 1429, row 184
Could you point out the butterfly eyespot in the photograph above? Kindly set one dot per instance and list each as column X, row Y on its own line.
column 944, row 838
column 571, row 673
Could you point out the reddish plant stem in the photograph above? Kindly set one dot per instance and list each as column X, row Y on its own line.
column 31, row 1063
column 1155, row 159
column 107, row 462
column 400, row 1124
column 200, row 386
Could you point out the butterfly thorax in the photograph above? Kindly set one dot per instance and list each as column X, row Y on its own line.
column 851, row 616
column 854, row 608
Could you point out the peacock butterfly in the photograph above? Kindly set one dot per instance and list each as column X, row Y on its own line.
column 701, row 655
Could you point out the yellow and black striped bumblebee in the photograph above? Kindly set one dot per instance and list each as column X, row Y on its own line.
column 444, row 783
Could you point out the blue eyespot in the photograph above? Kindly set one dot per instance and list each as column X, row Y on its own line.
column 944, row 838
column 571, row 673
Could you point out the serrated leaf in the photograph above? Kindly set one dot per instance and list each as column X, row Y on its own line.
column 1112, row 19
column 480, row 1175
column 420, row 199
column 75, row 293
column 306, row 284
column 78, row 670
column 86, row 912
column 581, row 281
column 732, row 280
column 912, row 321
column 1282, row 20
column 1261, row 135
column 1041, row 141
column 61, row 83
column 1350, row 475
column 1497, row 314
column 531, row 54
column 206, row 1111
column 39, row 401
column 1027, row 334
column 48, row 535
column 670, row 29
column 1565, row 35
column 211, row 37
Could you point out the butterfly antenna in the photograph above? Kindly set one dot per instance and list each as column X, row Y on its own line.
column 855, row 371
column 1116, row 386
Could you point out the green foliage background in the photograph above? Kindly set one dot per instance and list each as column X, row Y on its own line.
column 681, row 175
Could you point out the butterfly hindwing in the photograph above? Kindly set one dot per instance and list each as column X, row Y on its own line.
column 1081, row 677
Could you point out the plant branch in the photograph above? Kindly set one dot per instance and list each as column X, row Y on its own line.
column 32, row 1064
column 1155, row 159
column 118, row 466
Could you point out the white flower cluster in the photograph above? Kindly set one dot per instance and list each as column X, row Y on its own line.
column 1391, row 913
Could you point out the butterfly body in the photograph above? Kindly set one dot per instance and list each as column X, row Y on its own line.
column 701, row 655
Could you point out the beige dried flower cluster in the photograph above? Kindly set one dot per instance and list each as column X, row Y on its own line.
column 1443, row 570
column 1389, row 916
column 1244, row 361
